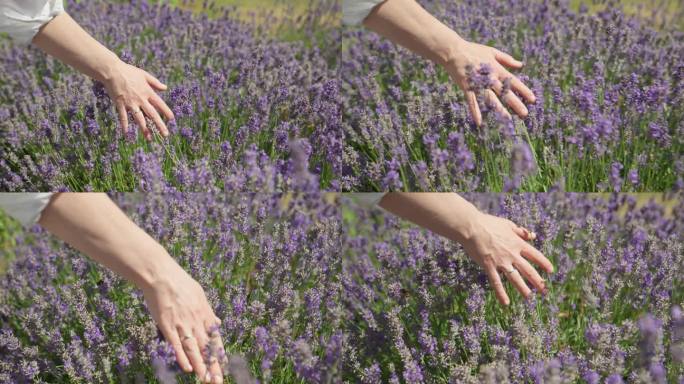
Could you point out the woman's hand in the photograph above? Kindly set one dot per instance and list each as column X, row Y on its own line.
column 132, row 89
column 496, row 244
column 468, row 58
column 180, row 308
column 499, row 245
column 406, row 23
column 93, row 224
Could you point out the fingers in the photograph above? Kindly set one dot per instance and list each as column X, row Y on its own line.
column 216, row 353
column 171, row 336
column 123, row 115
column 155, row 83
column 507, row 60
column 532, row 254
column 530, row 274
column 522, row 89
column 471, row 98
column 203, row 344
column 139, row 118
column 513, row 275
column 152, row 114
column 524, row 233
column 191, row 347
column 158, row 103
column 510, row 99
column 497, row 285
column 494, row 103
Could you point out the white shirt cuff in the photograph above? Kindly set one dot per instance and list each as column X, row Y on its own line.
column 354, row 11
column 25, row 207
column 22, row 19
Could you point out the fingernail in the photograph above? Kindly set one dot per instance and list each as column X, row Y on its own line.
column 218, row 379
column 207, row 378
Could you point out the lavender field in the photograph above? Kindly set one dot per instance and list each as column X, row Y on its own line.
column 255, row 100
column 315, row 289
column 268, row 263
column 422, row 312
column 609, row 114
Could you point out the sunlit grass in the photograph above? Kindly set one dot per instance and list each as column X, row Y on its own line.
column 659, row 13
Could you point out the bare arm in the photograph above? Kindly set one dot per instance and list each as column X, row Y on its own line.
column 131, row 88
column 496, row 244
column 406, row 23
column 93, row 224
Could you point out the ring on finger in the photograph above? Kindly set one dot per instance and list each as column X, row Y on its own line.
column 511, row 270
column 188, row 337
column 136, row 110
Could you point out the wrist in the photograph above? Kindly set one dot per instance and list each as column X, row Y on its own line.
column 467, row 225
column 154, row 267
column 109, row 68
column 447, row 46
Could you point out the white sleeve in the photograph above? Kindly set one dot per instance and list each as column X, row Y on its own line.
column 22, row 19
column 25, row 207
column 354, row 11
column 367, row 200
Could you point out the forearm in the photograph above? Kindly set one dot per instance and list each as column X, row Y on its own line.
column 406, row 23
column 446, row 214
column 94, row 225
column 65, row 40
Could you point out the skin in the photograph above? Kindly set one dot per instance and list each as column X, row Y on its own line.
column 406, row 23
column 132, row 89
column 94, row 225
column 495, row 244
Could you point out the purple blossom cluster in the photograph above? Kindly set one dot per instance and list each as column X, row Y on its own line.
column 269, row 265
column 422, row 312
column 243, row 91
column 609, row 114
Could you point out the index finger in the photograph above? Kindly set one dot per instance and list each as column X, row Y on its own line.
column 522, row 89
column 159, row 103
column 532, row 254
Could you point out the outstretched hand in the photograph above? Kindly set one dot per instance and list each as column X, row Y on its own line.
column 500, row 246
column 134, row 90
column 180, row 308
column 501, row 86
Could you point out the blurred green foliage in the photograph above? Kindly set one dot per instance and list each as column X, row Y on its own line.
column 9, row 228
